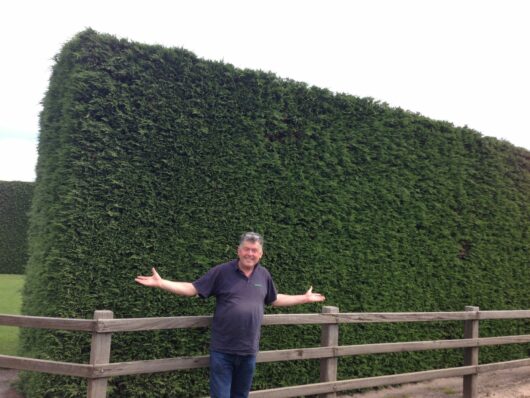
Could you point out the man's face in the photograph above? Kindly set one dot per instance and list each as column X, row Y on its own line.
column 249, row 253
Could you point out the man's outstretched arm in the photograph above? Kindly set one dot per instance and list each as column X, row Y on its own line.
column 285, row 300
column 178, row 288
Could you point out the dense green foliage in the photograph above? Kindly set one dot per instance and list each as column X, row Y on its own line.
column 15, row 203
column 10, row 303
column 152, row 156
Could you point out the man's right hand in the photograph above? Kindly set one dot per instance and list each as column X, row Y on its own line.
column 153, row 281
column 178, row 288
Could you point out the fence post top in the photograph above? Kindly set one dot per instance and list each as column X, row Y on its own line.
column 328, row 309
column 103, row 314
column 471, row 308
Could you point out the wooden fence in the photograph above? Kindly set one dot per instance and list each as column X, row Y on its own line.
column 103, row 325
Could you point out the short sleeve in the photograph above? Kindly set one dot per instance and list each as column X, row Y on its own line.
column 206, row 284
column 271, row 292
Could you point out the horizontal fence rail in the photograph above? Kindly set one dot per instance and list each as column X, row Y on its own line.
column 46, row 366
column 39, row 322
column 186, row 322
column 103, row 325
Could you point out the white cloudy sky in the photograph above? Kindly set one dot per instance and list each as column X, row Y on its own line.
column 464, row 61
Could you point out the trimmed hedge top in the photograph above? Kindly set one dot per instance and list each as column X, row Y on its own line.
column 150, row 156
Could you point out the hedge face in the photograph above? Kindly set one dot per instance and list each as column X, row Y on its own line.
column 15, row 203
column 149, row 156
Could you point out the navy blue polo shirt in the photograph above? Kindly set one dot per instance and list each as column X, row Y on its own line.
column 239, row 308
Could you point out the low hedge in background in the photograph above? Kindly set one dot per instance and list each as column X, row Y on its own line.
column 150, row 156
column 15, row 203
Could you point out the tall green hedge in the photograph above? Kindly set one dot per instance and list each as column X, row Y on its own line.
column 150, row 156
column 15, row 203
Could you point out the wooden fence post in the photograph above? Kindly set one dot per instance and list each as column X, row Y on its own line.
column 99, row 354
column 329, row 338
column 471, row 355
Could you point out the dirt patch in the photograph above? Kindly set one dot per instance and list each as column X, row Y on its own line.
column 513, row 383
column 7, row 377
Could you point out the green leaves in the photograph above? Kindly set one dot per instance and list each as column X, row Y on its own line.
column 15, row 206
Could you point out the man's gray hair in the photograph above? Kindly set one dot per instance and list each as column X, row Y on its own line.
column 251, row 237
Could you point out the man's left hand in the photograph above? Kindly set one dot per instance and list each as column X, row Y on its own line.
column 313, row 297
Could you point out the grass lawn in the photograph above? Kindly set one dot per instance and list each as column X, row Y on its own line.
column 10, row 301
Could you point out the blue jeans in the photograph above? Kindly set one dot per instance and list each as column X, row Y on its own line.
column 231, row 374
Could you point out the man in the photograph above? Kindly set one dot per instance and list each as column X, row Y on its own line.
column 242, row 288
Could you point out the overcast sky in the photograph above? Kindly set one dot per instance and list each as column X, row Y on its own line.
column 463, row 61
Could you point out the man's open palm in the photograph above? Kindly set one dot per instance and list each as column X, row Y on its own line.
column 313, row 297
column 153, row 280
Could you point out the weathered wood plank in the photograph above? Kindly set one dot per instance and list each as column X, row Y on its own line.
column 344, row 385
column 384, row 348
column 403, row 317
column 493, row 367
column 382, row 317
column 150, row 366
column 299, row 319
column 329, row 338
column 511, row 314
column 40, row 322
column 294, row 354
column 502, row 340
column 99, row 354
column 470, row 389
column 139, row 324
column 45, row 366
